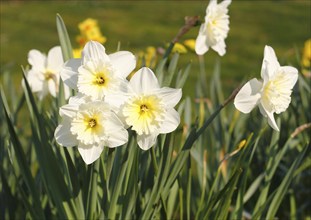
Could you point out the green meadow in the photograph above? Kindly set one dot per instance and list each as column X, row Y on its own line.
column 284, row 25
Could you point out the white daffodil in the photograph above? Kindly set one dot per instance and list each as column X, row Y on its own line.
column 89, row 125
column 273, row 94
column 43, row 77
column 97, row 73
column 147, row 108
column 214, row 30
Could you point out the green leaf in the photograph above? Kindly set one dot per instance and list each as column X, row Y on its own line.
column 23, row 165
column 282, row 189
column 63, row 38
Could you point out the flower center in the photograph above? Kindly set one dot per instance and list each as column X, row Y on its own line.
column 144, row 114
column 92, row 123
column 100, row 79
column 48, row 75
column 143, row 108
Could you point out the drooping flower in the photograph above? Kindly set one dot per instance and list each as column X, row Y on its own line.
column 273, row 94
column 147, row 108
column 43, row 77
column 91, row 126
column 97, row 73
column 214, row 30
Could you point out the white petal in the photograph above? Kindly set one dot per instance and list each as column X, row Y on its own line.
column 144, row 81
column 90, row 153
column 269, row 64
column 115, row 100
column 169, row 96
column 146, row 141
column 225, row 3
column 68, row 110
column 124, row 62
column 35, row 83
column 94, row 51
column 117, row 134
column 63, row 135
column 44, row 90
column 211, row 4
column 171, row 121
column 69, row 73
column 247, row 98
column 201, row 46
column 291, row 74
column 269, row 115
column 37, row 60
column 55, row 59
column 72, row 107
column 52, row 87
column 67, row 91
column 220, row 48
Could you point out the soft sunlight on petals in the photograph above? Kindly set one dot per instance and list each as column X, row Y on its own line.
column 149, row 108
column 91, row 126
column 273, row 95
column 214, row 30
column 44, row 75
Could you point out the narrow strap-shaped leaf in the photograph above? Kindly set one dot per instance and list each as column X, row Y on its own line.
column 282, row 189
column 63, row 38
column 22, row 163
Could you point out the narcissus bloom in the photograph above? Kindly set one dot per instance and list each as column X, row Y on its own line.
column 273, row 94
column 89, row 125
column 43, row 77
column 97, row 73
column 147, row 108
column 214, row 30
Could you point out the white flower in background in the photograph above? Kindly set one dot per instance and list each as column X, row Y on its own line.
column 98, row 74
column 147, row 108
column 43, row 77
column 89, row 125
column 214, row 30
column 273, row 94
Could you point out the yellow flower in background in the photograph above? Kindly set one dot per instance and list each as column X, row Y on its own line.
column 89, row 31
column 77, row 52
column 190, row 43
column 147, row 58
column 306, row 56
column 306, row 59
column 87, row 24
column 179, row 48
column 95, row 34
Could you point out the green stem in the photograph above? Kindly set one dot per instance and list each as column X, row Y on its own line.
column 92, row 192
column 154, row 161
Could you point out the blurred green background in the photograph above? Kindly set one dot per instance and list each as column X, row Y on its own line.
column 284, row 25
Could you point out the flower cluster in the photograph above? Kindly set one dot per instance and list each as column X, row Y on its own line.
column 89, row 30
column 107, row 103
column 113, row 97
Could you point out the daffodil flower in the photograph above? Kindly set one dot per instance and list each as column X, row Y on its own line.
column 273, row 94
column 89, row 125
column 214, row 30
column 43, row 77
column 147, row 108
column 96, row 73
